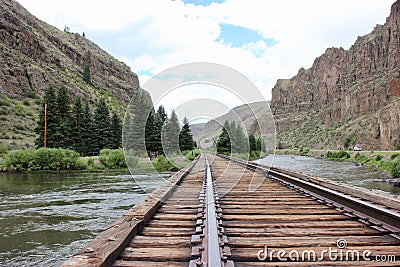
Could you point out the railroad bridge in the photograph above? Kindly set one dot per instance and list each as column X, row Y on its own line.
column 221, row 211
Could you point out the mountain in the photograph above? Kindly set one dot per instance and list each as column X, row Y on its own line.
column 252, row 116
column 34, row 55
column 347, row 95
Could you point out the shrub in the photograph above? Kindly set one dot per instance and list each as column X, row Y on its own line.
column 32, row 94
column 43, row 159
column 191, row 154
column 5, row 103
column 395, row 169
column 378, row 157
column 394, row 156
column 162, row 164
column 304, row 151
column 3, row 149
column 112, row 158
column 18, row 160
column 338, row 155
column 90, row 162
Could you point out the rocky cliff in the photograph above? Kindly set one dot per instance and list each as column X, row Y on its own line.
column 346, row 94
column 33, row 55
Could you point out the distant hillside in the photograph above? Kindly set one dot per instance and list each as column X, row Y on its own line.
column 348, row 96
column 205, row 133
column 33, row 55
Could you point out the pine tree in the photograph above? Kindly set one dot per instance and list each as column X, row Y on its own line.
column 63, row 132
column 135, row 122
column 86, row 75
column 151, row 134
column 259, row 143
column 253, row 143
column 116, row 128
column 88, row 129
column 160, row 118
column 238, row 139
column 52, row 119
column 170, row 135
column 78, row 128
column 186, row 141
column 224, row 141
column 101, row 127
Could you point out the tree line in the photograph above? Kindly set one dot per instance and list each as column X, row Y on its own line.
column 87, row 130
column 77, row 125
column 233, row 140
column 153, row 132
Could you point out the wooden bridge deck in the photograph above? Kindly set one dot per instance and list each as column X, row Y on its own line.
column 261, row 222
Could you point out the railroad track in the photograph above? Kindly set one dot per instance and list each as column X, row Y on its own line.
column 227, row 212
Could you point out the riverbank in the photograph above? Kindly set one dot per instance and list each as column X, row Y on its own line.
column 57, row 159
column 384, row 161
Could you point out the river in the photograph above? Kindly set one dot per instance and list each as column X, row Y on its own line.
column 346, row 172
column 46, row 217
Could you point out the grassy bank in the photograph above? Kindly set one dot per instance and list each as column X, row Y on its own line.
column 388, row 161
column 56, row 159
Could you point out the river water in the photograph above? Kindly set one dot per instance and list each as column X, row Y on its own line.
column 346, row 172
column 46, row 217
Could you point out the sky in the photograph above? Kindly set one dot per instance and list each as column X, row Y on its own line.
column 265, row 40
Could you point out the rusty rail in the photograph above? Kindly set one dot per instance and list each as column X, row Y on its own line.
column 215, row 250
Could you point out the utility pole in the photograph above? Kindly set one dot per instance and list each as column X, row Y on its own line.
column 45, row 126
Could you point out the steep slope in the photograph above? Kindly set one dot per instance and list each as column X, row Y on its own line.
column 33, row 55
column 252, row 116
column 347, row 94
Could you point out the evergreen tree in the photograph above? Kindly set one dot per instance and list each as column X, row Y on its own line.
column 86, row 75
column 116, row 128
column 170, row 135
column 101, row 127
column 78, row 128
column 52, row 119
column 135, row 122
column 151, row 134
column 224, row 141
column 259, row 143
column 160, row 118
column 186, row 141
column 253, row 143
column 88, row 129
column 238, row 139
column 63, row 132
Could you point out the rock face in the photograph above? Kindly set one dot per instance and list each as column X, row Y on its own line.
column 345, row 94
column 34, row 54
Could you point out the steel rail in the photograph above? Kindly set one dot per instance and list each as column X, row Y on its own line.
column 368, row 212
column 213, row 247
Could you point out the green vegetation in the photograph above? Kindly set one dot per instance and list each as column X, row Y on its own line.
column 74, row 127
column 113, row 158
column 186, row 141
column 162, row 164
column 191, row 154
column 86, row 75
column 232, row 141
column 149, row 133
column 339, row 155
column 304, row 151
column 391, row 165
column 42, row 159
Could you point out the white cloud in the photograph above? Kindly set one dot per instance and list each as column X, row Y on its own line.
column 158, row 34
